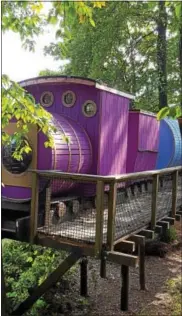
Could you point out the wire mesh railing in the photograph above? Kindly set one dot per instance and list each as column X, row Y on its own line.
column 69, row 209
column 99, row 210
column 133, row 207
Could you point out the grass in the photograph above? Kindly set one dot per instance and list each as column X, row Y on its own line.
column 175, row 291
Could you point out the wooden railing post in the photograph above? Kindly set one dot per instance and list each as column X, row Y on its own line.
column 34, row 206
column 99, row 217
column 155, row 187
column 48, row 206
column 174, row 192
column 111, row 215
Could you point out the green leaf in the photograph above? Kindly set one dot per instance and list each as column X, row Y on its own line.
column 29, row 259
column 52, row 19
column 92, row 22
column 162, row 113
column 178, row 10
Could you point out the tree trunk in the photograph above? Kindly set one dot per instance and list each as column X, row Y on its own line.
column 162, row 54
column 180, row 52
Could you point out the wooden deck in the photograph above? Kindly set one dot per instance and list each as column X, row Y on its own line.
column 132, row 213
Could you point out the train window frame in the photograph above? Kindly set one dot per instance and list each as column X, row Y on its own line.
column 26, row 170
column 46, row 105
column 73, row 96
column 84, row 111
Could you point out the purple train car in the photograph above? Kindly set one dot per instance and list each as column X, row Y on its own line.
column 105, row 136
column 92, row 116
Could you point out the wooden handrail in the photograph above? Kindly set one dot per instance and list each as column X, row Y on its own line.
column 106, row 179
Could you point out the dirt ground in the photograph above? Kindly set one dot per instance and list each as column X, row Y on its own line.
column 104, row 294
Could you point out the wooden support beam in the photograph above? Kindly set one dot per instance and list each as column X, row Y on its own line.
column 50, row 281
column 125, row 246
column 171, row 220
column 158, row 229
column 174, row 192
column 127, row 237
column 179, row 212
column 61, row 244
column 149, row 234
column 99, row 217
column 140, row 241
column 83, row 277
column 34, row 207
column 178, row 217
column 124, row 287
column 165, row 225
column 103, row 261
column 122, row 258
column 141, row 253
column 111, row 215
column 155, row 188
column 48, row 206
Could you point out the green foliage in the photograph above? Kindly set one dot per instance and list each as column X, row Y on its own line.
column 170, row 235
column 27, row 19
column 48, row 72
column 19, row 105
column 121, row 50
column 173, row 112
column 25, row 267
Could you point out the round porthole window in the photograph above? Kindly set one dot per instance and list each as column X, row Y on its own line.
column 13, row 165
column 89, row 108
column 68, row 98
column 47, row 99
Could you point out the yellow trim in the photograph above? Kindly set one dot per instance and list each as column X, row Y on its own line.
column 24, row 179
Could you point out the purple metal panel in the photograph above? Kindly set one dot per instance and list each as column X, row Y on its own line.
column 143, row 140
column 113, row 134
column 148, row 133
column 145, row 161
column 83, row 93
column 16, row 193
column 132, row 141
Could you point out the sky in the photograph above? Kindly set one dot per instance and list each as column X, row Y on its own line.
column 20, row 64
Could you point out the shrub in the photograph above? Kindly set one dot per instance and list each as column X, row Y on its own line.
column 170, row 235
column 25, row 267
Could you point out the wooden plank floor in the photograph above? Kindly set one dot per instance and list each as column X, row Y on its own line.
column 132, row 213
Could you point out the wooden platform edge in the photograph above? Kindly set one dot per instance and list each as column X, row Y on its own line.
column 59, row 244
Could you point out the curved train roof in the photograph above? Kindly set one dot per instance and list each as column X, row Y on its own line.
column 74, row 79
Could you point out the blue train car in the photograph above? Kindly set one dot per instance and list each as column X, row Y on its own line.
column 170, row 144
